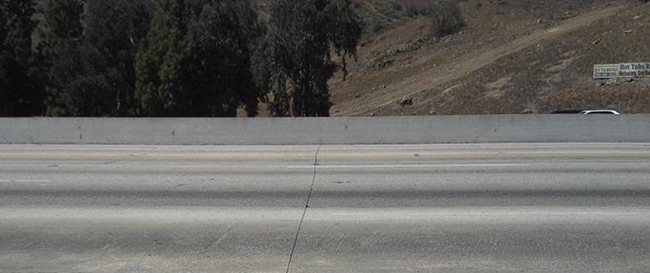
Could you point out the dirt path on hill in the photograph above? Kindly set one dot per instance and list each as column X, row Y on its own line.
column 434, row 77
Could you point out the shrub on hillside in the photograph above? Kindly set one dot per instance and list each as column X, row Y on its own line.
column 446, row 17
column 377, row 25
column 414, row 8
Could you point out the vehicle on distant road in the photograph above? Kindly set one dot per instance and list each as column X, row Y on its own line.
column 600, row 112
column 569, row 111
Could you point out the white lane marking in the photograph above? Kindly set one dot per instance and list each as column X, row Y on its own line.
column 641, row 214
column 396, row 166
column 479, row 213
column 23, row 180
column 154, row 216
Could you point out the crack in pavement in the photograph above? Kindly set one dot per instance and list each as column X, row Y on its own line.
column 304, row 212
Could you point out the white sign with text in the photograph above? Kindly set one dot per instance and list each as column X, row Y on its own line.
column 623, row 70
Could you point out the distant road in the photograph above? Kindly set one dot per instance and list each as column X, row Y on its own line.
column 397, row 208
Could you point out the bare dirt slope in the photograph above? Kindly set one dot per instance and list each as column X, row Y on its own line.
column 525, row 63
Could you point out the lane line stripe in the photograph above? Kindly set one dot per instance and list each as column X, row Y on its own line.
column 513, row 213
column 22, row 180
column 410, row 166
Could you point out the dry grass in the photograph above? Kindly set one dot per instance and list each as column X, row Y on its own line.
column 554, row 74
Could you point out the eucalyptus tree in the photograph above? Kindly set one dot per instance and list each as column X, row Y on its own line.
column 295, row 62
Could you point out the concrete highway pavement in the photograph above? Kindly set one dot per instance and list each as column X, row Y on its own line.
column 396, row 208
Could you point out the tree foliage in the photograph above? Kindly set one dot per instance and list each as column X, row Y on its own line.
column 63, row 18
column 20, row 93
column 220, row 40
column 69, row 59
column 114, row 30
column 58, row 49
column 295, row 58
column 171, row 57
column 89, row 48
column 195, row 60
column 158, row 61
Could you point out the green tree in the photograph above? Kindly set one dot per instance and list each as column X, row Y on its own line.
column 78, row 86
column 89, row 47
column 196, row 59
column 20, row 93
column 218, row 66
column 62, row 53
column 114, row 29
column 63, row 18
column 158, row 62
column 296, row 55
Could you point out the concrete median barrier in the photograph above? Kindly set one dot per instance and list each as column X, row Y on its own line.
column 290, row 131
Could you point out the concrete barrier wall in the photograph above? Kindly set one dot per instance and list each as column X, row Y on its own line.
column 373, row 130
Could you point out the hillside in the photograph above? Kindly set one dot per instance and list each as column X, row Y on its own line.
column 513, row 56
column 518, row 56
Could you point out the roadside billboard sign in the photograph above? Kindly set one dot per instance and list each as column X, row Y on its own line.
column 606, row 71
column 634, row 70
column 622, row 70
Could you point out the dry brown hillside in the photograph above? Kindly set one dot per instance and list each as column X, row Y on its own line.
column 517, row 56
